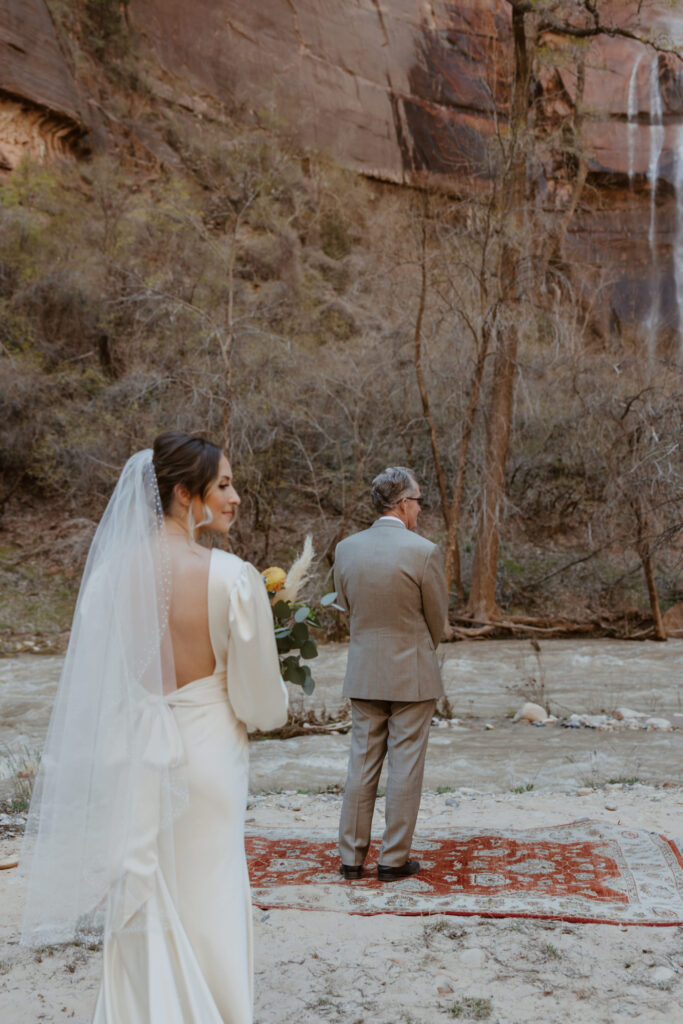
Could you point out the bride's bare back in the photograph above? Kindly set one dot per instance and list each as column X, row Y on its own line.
column 189, row 613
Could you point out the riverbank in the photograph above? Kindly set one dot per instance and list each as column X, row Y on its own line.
column 483, row 770
column 325, row 967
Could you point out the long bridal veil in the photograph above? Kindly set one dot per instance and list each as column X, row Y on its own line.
column 111, row 778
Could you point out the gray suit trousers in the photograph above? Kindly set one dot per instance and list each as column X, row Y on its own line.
column 401, row 730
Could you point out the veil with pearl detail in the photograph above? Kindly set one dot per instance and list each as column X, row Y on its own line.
column 112, row 750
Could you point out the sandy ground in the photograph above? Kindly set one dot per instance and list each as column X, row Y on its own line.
column 314, row 967
column 317, row 966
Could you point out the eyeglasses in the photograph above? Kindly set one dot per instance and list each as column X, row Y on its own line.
column 409, row 497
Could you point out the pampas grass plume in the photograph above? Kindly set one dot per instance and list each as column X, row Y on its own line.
column 299, row 572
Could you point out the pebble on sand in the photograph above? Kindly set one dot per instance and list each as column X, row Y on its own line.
column 621, row 718
column 662, row 975
column 444, row 984
column 473, row 957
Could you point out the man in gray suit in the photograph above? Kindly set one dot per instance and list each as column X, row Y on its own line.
column 391, row 582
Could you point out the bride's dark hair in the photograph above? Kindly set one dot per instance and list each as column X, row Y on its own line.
column 187, row 459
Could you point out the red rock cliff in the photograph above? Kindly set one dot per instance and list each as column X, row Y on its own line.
column 39, row 108
column 410, row 86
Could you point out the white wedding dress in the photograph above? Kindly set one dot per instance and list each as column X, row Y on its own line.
column 181, row 949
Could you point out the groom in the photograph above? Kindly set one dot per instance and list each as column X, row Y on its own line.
column 392, row 584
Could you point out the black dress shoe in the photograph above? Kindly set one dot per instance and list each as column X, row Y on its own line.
column 385, row 874
column 350, row 871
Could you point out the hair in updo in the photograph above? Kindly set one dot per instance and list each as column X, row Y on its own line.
column 187, row 459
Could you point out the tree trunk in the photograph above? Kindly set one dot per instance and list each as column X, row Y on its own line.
column 482, row 603
column 422, row 387
column 648, row 568
column 226, row 340
column 645, row 555
column 453, row 570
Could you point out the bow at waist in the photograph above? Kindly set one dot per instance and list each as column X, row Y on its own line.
column 207, row 690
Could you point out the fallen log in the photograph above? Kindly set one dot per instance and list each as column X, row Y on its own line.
column 462, row 627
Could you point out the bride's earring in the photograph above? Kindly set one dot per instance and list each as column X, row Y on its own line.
column 207, row 516
column 191, row 525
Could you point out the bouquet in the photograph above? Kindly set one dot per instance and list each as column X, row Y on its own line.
column 293, row 619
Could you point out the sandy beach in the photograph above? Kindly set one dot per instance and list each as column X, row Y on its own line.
column 323, row 966
column 317, row 966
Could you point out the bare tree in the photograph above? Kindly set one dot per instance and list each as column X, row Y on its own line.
column 644, row 475
column 482, row 603
column 523, row 264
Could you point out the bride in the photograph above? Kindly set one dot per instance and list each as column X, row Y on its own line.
column 136, row 824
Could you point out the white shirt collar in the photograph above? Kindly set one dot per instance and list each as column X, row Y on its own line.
column 393, row 519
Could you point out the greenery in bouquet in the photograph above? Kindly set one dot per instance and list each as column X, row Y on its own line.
column 293, row 620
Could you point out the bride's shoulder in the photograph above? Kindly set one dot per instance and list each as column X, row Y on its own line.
column 226, row 564
column 234, row 572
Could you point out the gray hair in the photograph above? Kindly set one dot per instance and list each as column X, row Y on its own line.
column 390, row 486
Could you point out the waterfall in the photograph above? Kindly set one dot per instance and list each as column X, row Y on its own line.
column 678, row 243
column 656, row 146
column 656, row 142
column 632, row 115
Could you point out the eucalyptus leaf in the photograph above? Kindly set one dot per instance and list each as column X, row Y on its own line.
column 308, row 686
column 300, row 633
column 295, row 674
column 281, row 610
column 281, row 631
column 301, row 614
column 328, row 598
column 284, row 644
column 309, row 649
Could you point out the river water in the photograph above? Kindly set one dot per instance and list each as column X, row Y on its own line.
column 486, row 682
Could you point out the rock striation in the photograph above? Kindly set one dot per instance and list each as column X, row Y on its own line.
column 39, row 107
column 411, row 88
column 387, row 88
column 396, row 90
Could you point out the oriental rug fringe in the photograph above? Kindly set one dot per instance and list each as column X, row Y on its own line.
column 587, row 871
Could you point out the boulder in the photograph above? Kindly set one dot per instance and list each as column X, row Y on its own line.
column 662, row 724
column 531, row 713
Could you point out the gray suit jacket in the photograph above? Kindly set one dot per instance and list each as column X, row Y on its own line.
column 391, row 582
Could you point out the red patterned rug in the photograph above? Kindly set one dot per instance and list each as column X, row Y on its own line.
column 586, row 871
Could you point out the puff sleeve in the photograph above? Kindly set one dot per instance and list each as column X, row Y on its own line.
column 257, row 693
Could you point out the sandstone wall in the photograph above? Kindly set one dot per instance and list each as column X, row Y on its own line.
column 395, row 89
column 39, row 106
column 359, row 78
column 29, row 130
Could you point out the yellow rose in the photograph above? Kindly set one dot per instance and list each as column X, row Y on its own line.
column 275, row 578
